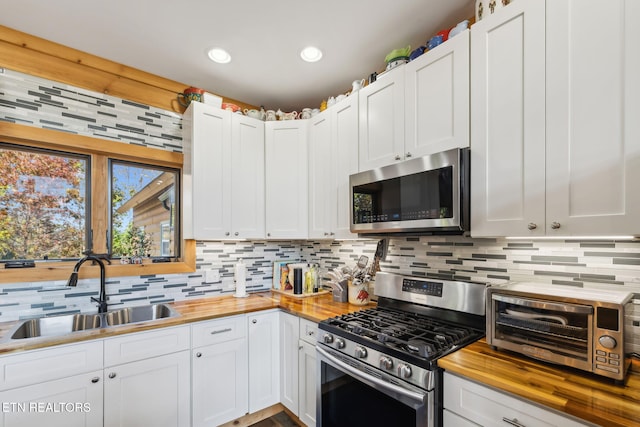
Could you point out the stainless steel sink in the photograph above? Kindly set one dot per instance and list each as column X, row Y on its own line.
column 55, row 326
column 139, row 314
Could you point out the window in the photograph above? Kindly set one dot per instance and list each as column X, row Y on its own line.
column 78, row 212
column 143, row 210
column 44, row 204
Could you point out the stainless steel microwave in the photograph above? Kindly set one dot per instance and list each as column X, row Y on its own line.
column 425, row 195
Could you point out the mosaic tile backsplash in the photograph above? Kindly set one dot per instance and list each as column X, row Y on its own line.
column 39, row 102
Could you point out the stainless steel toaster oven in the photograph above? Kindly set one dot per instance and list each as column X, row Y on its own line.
column 565, row 325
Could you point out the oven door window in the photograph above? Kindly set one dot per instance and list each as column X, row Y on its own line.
column 347, row 401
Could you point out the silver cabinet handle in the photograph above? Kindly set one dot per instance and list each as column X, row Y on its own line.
column 237, row 234
column 398, row 157
column 408, row 154
column 254, row 321
column 555, row 225
column 311, row 333
column 112, row 375
column 268, row 234
column 95, row 379
column 227, row 233
column 221, row 331
column 532, row 226
column 513, row 422
column 198, row 354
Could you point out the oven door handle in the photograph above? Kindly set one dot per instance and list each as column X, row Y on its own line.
column 417, row 397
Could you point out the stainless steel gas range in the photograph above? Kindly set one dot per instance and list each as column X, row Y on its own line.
column 378, row 366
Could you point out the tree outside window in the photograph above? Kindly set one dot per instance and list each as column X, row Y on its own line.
column 43, row 204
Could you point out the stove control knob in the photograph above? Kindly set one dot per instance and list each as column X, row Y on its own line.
column 327, row 338
column 360, row 352
column 404, row 371
column 339, row 343
column 386, row 363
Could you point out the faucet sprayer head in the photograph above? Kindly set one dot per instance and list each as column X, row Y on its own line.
column 73, row 279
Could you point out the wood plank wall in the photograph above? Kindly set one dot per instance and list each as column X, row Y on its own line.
column 42, row 58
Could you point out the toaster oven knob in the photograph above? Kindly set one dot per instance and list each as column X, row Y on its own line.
column 386, row 363
column 327, row 338
column 404, row 371
column 339, row 343
column 360, row 352
column 607, row 342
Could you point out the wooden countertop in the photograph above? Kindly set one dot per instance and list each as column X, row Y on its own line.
column 583, row 395
column 312, row 308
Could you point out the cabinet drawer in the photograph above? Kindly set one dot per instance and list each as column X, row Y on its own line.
column 219, row 330
column 308, row 331
column 143, row 345
column 38, row 366
column 487, row 407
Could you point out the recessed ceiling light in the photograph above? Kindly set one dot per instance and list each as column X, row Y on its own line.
column 219, row 55
column 311, row 54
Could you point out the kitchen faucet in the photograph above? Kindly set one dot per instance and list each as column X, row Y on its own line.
column 96, row 258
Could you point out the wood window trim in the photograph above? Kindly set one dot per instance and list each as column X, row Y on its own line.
column 28, row 136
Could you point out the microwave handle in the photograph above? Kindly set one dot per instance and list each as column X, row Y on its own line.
column 546, row 305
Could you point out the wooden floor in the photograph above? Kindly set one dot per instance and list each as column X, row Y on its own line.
column 273, row 416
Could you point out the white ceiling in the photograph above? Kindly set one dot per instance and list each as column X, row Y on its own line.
column 171, row 38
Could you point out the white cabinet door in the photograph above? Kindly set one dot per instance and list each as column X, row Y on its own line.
column 437, row 99
column 246, row 215
column 381, row 104
column 307, row 372
column 593, row 106
column 289, row 334
column 508, row 121
column 488, row 407
column 333, row 156
column 150, row 392
column 344, row 141
column 205, row 190
column 286, row 161
column 219, row 383
column 264, row 362
column 322, row 198
column 74, row 401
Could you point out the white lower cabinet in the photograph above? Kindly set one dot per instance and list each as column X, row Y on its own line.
column 264, row 368
column 146, row 379
column 151, row 392
column 74, row 401
column 467, row 403
column 220, row 374
column 307, row 373
column 298, row 367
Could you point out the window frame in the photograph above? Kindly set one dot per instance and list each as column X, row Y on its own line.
column 100, row 151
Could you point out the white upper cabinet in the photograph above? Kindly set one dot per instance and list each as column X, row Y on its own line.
column 286, row 160
column 333, row 156
column 507, row 121
column 381, row 138
column 555, row 140
column 417, row 109
column 223, row 177
column 593, row 118
column 437, row 99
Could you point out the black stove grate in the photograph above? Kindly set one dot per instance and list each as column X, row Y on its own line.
column 405, row 333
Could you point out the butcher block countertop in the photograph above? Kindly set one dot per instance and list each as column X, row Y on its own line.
column 315, row 308
column 586, row 396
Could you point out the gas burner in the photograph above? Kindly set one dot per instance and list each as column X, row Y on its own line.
column 354, row 326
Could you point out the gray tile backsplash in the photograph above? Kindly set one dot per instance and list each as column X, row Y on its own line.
column 38, row 102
